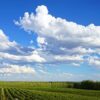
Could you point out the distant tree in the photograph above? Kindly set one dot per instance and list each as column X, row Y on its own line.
column 77, row 85
column 87, row 84
column 97, row 86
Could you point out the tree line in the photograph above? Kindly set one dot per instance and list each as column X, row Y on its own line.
column 87, row 84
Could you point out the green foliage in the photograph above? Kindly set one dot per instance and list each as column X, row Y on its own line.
column 49, row 94
column 35, row 84
column 87, row 84
column 48, row 91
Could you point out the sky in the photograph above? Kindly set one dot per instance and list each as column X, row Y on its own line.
column 47, row 40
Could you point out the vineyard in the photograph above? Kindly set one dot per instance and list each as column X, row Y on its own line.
column 40, row 91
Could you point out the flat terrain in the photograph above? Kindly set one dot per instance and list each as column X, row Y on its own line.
column 44, row 91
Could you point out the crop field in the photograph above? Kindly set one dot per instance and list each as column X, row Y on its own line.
column 44, row 91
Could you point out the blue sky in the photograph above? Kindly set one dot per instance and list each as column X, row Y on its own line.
column 82, row 12
column 53, row 41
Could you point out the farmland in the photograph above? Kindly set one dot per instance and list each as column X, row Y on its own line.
column 44, row 91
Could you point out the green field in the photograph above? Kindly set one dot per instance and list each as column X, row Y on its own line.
column 44, row 91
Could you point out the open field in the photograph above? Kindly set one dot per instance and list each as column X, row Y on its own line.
column 44, row 91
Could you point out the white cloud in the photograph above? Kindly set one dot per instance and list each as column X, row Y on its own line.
column 16, row 69
column 65, row 41
column 69, row 58
column 76, row 64
column 48, row 26
column 5, row 44
column 41, row 40
column 15, row 59
column 33, row 57
column 78, row 50
column 94, row 61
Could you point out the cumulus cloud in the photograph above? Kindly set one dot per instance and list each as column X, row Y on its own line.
column 41, row 42
column 61, row 30
column 59, row 41
column 63, row 40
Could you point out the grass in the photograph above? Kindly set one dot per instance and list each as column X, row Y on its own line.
column 44, row 91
